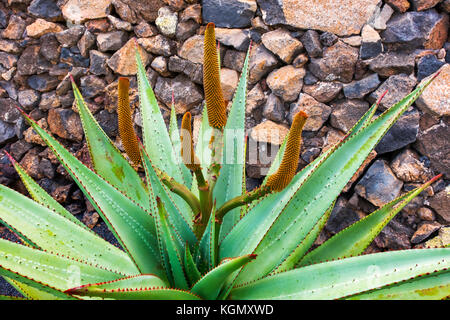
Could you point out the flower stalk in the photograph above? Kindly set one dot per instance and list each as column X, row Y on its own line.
column 126, row 130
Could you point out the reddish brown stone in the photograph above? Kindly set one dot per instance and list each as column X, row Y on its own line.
column 99, row 25
column 65, row 123
column 399, row 5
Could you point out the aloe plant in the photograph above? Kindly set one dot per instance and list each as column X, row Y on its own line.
column 189, row 230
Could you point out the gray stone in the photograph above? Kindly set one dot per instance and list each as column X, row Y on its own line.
column 341, row 217
column 99, row 64
column 427, row 29
column 338, row 63
column 234, row 60
column 395, row 236
column 379, row 185
column 120, row 24
column 402, row 133
column 7, row 132
column 28, row 61
column 236, row 38
column 388, row 64
column 46, row 9
column 108, row 122
column 359, row 89
column 42, row 82
column 398, row 86
column 49, row 100
column 273, row 109
column 70, row 37
column 346, row 113
column 73, row 59
column 86, row 43
column 328, row 39
column 323, row 91
column 441, row 204
column 428, row 65
column 111, row 41
column 261, row 63
column 341, row 17
column 185, row 30
column 28, row 99
column 229, row 13
column 434, row 143
column 311, row 41
column 186, row 94
column 92, row 86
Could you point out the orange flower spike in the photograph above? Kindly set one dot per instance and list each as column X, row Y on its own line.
column 126, row 130
column 187, row 144
column 215, row 103
column 288, row 167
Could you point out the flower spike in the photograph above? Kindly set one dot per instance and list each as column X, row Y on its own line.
column 215, row 103
column 187, row 144
column 288, row 166
column 126, row 130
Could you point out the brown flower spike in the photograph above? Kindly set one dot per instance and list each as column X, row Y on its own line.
column 187, row 144
column 126, row 130
column 288, row 167
column 215, row 103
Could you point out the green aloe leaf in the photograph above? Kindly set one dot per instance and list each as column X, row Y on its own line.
column 151, row 293
column 231, row 181
column 107, row 159
column 48, row 272
column 180, row 222
column 304, row 246
column 5, row 297
column 30, row 292
column 209, row 286
column 132, row 283
column 206, row 252
column 429, row 287
column 154, row 131
column 131, row 224
column 189, row 266
column 173, row 251
column 341, row 278
column 293, row 213
column 52, row 232
column 354, row 239
column 42, row 197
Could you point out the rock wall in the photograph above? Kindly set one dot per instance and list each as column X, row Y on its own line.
column 331, row 59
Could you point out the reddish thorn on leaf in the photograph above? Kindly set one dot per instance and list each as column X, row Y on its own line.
column 71, row 78
column 436, row 74
column 382, row 96
column 434, row 179
column 11, row 159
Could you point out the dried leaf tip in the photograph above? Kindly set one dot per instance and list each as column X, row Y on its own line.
column 187, row 143
column 288, row 167
column 215, row 103
column 126, row 130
